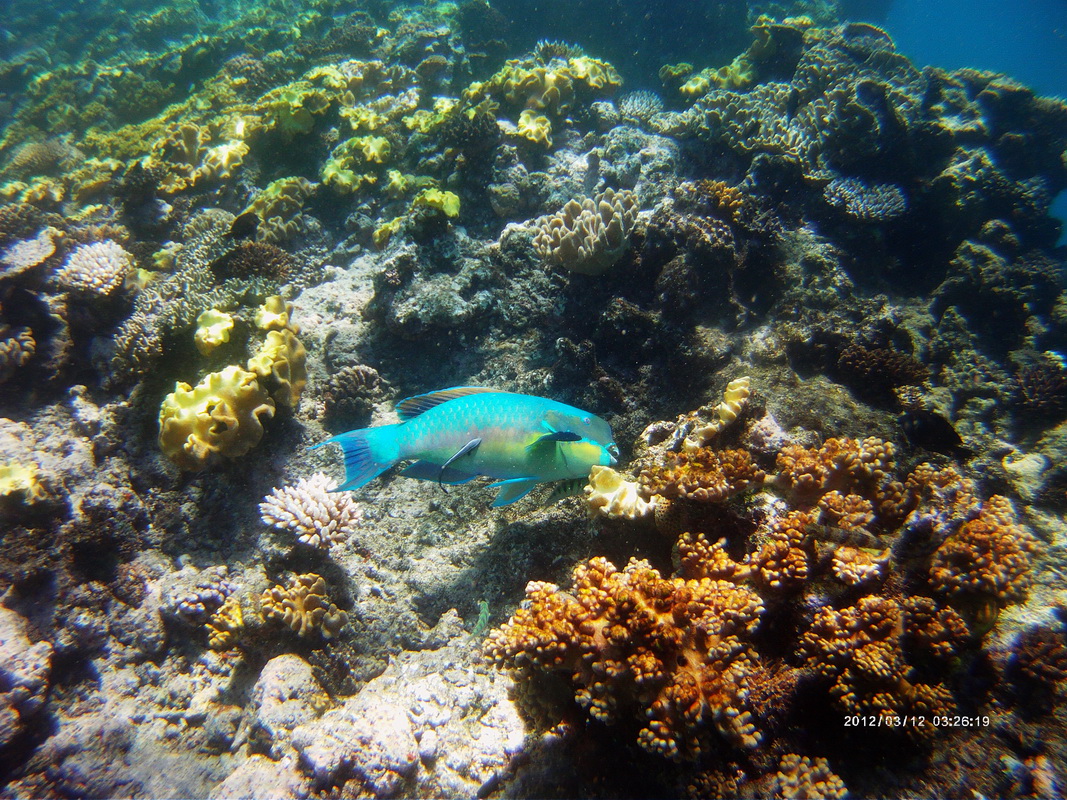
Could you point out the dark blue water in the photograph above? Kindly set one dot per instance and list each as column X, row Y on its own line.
column 1026, row 40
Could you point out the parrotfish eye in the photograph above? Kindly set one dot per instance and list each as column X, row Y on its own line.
column 587, row 420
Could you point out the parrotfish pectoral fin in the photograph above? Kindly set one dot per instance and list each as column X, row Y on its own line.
column 411, row 407
column 512, row 490
column 365, row 452
column 552, row 438
column 428, row 471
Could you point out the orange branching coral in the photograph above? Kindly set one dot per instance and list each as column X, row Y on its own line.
column 697, row 558
column 672, row 652
column 937, row 631
column 783, row 560
column 987, row 559
column 802, row 777
column 855, row 567
column 847, row 465
column 859, row 647
column 845, row 510
column 705, row 475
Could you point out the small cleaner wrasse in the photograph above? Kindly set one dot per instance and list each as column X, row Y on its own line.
column 458, row 434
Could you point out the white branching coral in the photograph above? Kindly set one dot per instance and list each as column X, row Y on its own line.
column 317, row 516
column 98, row 268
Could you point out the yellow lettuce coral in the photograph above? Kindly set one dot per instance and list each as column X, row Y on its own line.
column 446, row 202
column 212, row 329
column 220, row 417
column 535, row 127
column 274, row 314
column 281, row 362
column 20, row 480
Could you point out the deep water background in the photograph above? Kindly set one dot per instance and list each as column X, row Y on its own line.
column 1026, row 40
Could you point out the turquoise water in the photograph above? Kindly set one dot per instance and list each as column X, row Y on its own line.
column 793, row 268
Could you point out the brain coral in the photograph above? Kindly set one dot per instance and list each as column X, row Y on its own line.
column 220, row 417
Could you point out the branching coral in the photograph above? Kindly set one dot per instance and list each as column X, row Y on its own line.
column 317, row 516
column 304, row 606
column 705, row 475
column 987, row 559
column 588, row 236
column 671, row 652
column 800, row 777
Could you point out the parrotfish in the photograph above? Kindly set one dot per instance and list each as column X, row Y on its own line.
column 458, row 434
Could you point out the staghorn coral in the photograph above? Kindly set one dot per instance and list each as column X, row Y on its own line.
column 310, row 511
column 783, row 562
column 936, row 631
column 219, row 418
column 670, row 652
column 800, row 777
column 96, row 269
column 304, row 607
column 588, row 236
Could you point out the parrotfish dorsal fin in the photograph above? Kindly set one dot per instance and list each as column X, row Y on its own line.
column 411, row 407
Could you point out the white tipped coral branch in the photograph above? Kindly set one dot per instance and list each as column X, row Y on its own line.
column 318, row 517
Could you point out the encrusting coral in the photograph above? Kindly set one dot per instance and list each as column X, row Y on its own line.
column 588, row 236
column 304, row 606
column 314, row 514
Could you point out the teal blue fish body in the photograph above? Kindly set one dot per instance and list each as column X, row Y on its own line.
column 458, row 434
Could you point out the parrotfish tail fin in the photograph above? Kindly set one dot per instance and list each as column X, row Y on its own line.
column 512, row 490
column 368, row 453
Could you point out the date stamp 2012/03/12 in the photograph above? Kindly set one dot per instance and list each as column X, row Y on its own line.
column 917, row 721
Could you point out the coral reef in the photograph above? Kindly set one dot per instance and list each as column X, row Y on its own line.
column 220, row 417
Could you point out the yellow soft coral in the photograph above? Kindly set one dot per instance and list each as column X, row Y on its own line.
column 220, row 417
column 281, row 362
column 274, row 315
column 212, row 329
column 20, row 480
